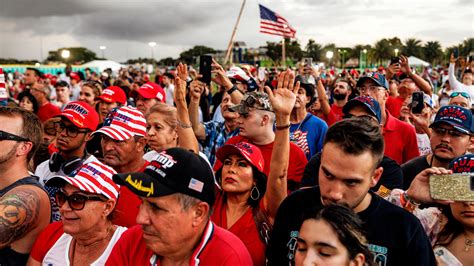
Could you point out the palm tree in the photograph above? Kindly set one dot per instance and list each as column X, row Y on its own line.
column 314, row 50
column 432, row 52
column 412, row 47
column 382, row 51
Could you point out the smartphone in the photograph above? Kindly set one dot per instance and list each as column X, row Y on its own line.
column 395, row 60
column 308, row 62
column 455, row 52
column 205, row 65
column 417, row 103
column 456, row 187
column 261, row 73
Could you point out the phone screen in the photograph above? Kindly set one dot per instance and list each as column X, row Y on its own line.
column 417, row 103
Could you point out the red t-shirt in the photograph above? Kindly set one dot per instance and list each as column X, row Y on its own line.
column 394, row 105
column 126, row 210
column 47, row 111
column 400, row 140
column 296, row 166
column 46, row 240
column 245, row 229
column 335, row 114
column 217, row 247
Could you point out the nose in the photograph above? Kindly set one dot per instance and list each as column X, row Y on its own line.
column 335, row 192
column 311, row 258
column 107, row 146
column 142, row 217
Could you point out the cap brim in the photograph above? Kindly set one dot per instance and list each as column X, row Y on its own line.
column 102, row 98
column 229, row 149
column 455, row 125
column 350, row 104
column 114, row 133
column 143, row 184
column 239, row 108
column 72, row 120
column 361, row 80
column 146, row 94
column 58, row 181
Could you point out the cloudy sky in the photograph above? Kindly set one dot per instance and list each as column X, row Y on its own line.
column 31, row 28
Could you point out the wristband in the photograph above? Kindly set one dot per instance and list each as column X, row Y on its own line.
column 283, row 127
column 231, row 90
column 407, row 203
column 317, row 79
column 183, row 125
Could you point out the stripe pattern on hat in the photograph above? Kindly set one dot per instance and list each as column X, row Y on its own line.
column 95, row 177
column 123, row 123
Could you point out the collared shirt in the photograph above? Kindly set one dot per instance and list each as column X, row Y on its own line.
column 400, row 140
column 216, row 136
column 216, row 247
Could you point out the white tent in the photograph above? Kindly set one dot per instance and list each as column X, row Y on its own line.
column 101, row 65
column 415, row 61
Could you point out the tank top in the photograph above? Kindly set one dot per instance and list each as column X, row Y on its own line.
column 8, row 256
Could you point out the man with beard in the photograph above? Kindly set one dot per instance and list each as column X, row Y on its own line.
column 123, row 143
column 78, row 121
column 24, row 205
column 451, row 137
column 352, row 151
column 341, row 92
column 306, row 130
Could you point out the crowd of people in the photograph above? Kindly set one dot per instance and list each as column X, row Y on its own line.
column 289, row 166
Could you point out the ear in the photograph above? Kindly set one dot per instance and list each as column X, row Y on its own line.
column 141, row 143
column 109, row 207
column 358, row 260
column 24, row 148
column 471, row 144
column 376, row 176
column 88, row 136
column 200, row 213
column 265, row 120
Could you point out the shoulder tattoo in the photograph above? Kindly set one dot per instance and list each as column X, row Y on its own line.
column 19, row 214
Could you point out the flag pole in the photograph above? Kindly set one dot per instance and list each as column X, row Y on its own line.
column 283, row 52
column 231, row 42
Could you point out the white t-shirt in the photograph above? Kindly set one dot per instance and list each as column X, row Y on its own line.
column 423, row 142
column 59, row 252
column 169, row 90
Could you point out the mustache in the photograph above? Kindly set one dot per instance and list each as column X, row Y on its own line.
column 146, row 229
column 442, row 145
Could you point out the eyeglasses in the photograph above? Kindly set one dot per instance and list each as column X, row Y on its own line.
column 71, row 130
column 9, row 136
column 50, row 130
column 76, row 201
column 463, row 94
column 452, row 132
column 368, row 89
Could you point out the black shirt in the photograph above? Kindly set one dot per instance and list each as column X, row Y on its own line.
column 392, row 176
column 395, row 236
column 412, row 168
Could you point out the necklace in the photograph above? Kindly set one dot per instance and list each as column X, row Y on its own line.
column 74, row 242
column 468, row 243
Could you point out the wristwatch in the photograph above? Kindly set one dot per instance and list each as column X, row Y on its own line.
column 231, row 90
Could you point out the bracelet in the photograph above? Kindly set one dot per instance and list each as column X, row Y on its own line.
column 231, row 90
column 283, row 127
column 183, row 125
column 407, row 203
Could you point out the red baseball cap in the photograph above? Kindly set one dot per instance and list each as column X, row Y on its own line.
column 152, row 90
column 74, row 75
column 81, row 114
column 250, row 152
column 113, row 94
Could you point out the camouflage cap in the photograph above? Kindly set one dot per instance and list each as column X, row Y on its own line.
column 255, row 100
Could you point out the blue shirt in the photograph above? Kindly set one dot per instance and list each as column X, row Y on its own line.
column 216, row 136
column 309, row 134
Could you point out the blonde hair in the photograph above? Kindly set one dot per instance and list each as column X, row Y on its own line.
column 170, row 113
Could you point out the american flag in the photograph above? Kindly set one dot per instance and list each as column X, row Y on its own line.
column 274, row 24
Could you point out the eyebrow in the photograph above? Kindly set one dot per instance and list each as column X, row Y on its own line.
column 316, row 243
column 351, row 178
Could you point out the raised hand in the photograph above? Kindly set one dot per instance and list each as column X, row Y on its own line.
column 182, row 70
column 219, row 75
column 195, row 89
column 284, row 97
column 404, row 65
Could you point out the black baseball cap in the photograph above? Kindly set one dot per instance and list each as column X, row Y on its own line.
column 174, row 170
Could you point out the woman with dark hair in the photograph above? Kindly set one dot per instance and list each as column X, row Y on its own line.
column 332, row 236
column 248, row 200
column 86, row 234
column 28, row 101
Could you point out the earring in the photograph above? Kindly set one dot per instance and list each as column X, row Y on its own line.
column 253, row 192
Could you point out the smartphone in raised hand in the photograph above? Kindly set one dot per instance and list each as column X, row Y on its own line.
column 417, row 102
column 205, row 66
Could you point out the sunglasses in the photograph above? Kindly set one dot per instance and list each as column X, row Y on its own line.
column 463, row 94
column 366, row 117
column 9, row 136
column 76, row 201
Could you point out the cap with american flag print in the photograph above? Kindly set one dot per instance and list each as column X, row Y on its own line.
column 93, row 177
column 122, row 123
